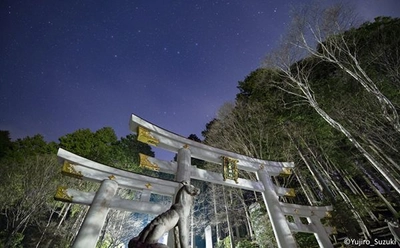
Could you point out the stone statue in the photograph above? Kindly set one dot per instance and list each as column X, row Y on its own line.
column 176, row 217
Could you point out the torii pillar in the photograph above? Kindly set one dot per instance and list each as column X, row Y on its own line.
column 94, row 220
column 182, row 174
column 283, row 235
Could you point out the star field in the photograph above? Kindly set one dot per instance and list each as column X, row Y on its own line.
column 67, row 65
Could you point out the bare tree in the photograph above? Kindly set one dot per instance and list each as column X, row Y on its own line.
column 321, row 33
column 298, row 78
column 26, row 189
column 296, row 71
column 119, row 227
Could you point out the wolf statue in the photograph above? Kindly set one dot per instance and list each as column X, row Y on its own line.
column 176, row 217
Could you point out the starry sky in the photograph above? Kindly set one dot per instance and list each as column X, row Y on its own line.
column 66, row 65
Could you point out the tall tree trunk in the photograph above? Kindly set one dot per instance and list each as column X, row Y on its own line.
column 378, row 193
column 45, row 229
column 227, row 219
column 216, row 213
column 383, row 155
column 249, row 227
column 68, row 206
column 301, row 82
column 192, row 236
column 77, row 224
column 306, row 188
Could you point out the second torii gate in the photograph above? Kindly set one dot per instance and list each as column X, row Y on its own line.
column 277, row 211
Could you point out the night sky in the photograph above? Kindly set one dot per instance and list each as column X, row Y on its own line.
column 66, row 65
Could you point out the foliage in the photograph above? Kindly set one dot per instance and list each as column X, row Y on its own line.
column 96, row 146
column 26, row 191
column 306, row 240
column 5, row 142
column 124, row 158
column 246, row 244
column 262, row 226
column 103, row 146
column 224, row 243
column 31, row 174
column 29, row 146
column 14, row 242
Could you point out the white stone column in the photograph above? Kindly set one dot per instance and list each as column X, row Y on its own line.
column 321, row 235
column 208, row 234
column 146, row 194
column 94, row 220
column 184, row 163
column 182, row 174
column 278, row 220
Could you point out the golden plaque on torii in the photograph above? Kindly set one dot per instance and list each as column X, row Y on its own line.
column 230, row 169
column 145, row 163
column 144, row 135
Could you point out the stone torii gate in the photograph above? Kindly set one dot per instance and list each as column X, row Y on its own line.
column 112, row 178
